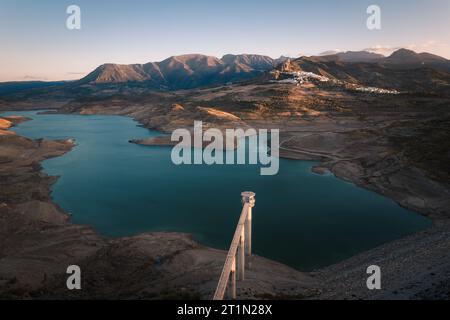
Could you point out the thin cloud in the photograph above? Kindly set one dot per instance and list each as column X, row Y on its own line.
column 330, row 52
column 33, row 78
column 76, row 73
column 384, row 50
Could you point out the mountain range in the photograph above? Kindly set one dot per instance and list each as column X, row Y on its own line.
column 185, row 71
column 402, row 58
column 404, row 70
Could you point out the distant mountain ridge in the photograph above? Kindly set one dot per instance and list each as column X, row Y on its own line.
column 410, row 59
column 352, row 56
column 185, row 71
column 20, row 86
column 402, row 58
column 404, row 70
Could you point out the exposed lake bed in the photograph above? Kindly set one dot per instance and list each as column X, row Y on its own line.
column 183, row 268
column 122, row 189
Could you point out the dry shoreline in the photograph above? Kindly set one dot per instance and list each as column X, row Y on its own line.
column 331, row 282
column 39, row 243
column 345, row 167
column 350, row 169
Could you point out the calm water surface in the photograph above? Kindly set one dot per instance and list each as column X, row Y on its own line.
column 301, row 219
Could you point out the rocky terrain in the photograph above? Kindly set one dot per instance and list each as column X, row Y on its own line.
column 414, row 268
column 396, row 145
column 183, row 72
column 38, row 243
column 404, row 70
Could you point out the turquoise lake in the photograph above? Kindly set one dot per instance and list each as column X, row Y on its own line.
column 121, row 189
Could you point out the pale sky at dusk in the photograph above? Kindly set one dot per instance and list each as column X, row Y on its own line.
column 36, row 45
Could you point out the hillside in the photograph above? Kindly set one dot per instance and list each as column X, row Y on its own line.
column 404, row 70
column 184, row 72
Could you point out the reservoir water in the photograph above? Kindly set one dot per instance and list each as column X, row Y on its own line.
column 121, row 189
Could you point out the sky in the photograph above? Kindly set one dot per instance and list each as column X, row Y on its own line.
column 37, row 45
